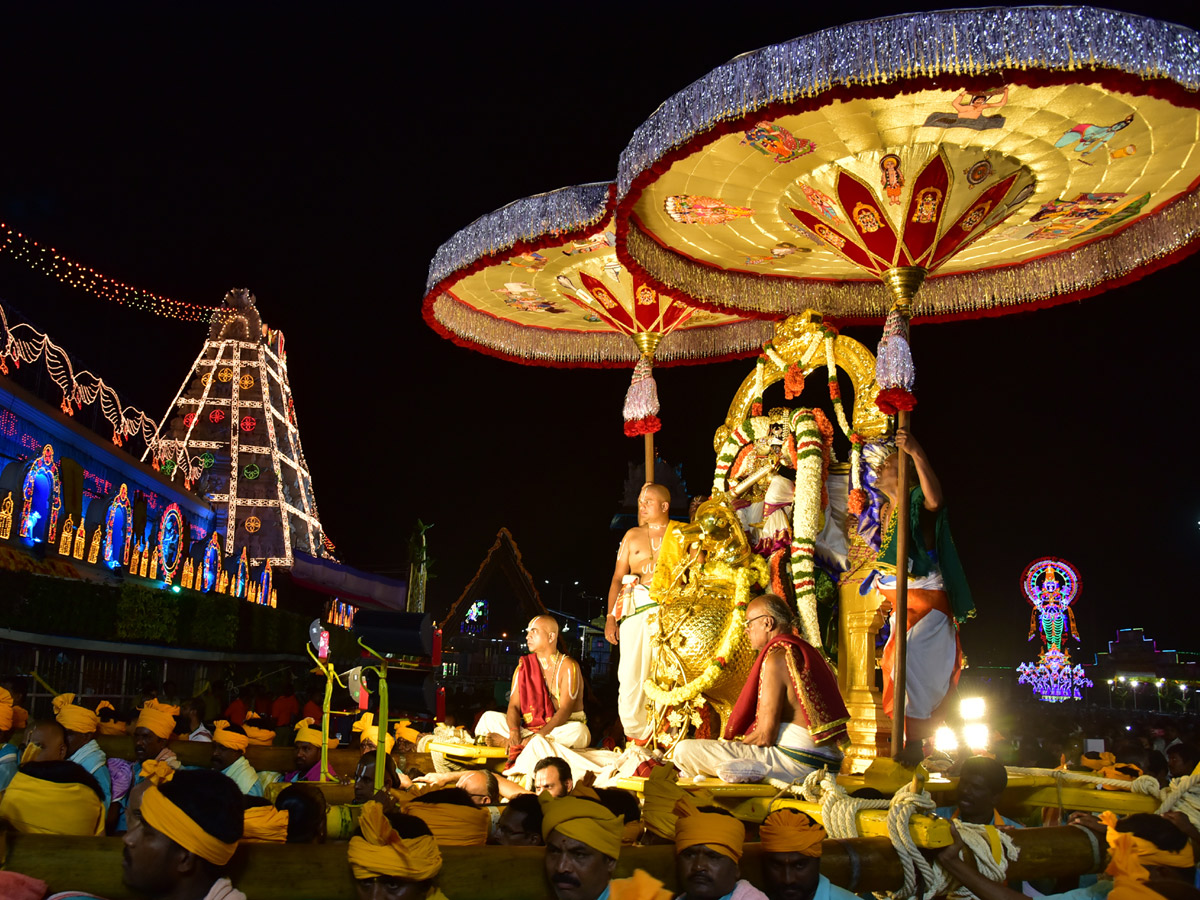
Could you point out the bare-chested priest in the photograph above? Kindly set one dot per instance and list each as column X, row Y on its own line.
column 631, row 608
column 546, row 701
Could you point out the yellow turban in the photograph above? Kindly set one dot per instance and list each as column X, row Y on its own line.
column 34, row 806
column 631, row 833
column 157, row 718
column 380, row 851
column 583, row 820
column 20, row 717
column 1102, row 761
column 640, row 886
column 156, row 771
column 72, row 717
column 265, row 824
column 165, row 816
column 306, row 734
column 114, row 727
column 661, row 791
column 6, row 710
column 719, row 832
column 791, row 831
column 370, row 731
column 230, row 739
column 1130, row 856
column 453, row 825
column 404, row 732
column 259, row 737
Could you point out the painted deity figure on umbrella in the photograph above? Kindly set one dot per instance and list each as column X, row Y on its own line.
column 939, row 598
column 546, row 702
column 632, row 615
column 790, row 716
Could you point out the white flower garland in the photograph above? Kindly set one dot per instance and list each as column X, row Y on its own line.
column 806, row 520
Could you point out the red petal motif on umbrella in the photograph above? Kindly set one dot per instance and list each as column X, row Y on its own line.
column 863, row 210
column 926, row 209
column 838, row 243
column 612, row 307
column 969, row 226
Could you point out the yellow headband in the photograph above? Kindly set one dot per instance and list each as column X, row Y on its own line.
column 404, row 732
column 157, row 719
column 34, row 806
column 661, row 791
column 230, row 739
column 6, row 710
column 1131, row 854
column 156, row 771
column 791, row 831
column 370, row 732
column 265, row 824
column 453, row 825
column 306, row 734
column 721, row 833
column 72, row 717
column 582, row 820
column 165, row 816
column 259, row 737
column 380, row 851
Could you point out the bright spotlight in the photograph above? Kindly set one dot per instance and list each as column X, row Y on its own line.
column 174, row 589
column 945, row 740
column 971, row 708
column 976, row 735
column 1134, row 684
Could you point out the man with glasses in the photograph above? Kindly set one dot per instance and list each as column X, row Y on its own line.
column 790, row 716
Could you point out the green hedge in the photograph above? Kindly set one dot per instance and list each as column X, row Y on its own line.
column 133, row 613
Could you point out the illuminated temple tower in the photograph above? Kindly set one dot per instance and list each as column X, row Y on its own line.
column 231, row 433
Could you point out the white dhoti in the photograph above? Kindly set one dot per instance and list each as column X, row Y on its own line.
column 634, row 668
column 581, row 761
column 572, row 733
column 793, row 756
column 934, row 656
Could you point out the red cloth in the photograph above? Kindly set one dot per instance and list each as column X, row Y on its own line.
column 236, row 711
column 821, row 705
column 16, row 886
column 262, row 705
column 313, row 711
column 537, row 706
column 285, row 710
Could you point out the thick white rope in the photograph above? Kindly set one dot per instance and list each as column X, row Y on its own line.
column 1144, row 784
column 1183, row 795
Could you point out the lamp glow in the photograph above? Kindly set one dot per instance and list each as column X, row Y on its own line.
column 945, row 740
column 976, row 735
column 971, row 708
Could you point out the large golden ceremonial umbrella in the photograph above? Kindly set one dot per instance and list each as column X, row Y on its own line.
column 539, row 282
column 1008, row 158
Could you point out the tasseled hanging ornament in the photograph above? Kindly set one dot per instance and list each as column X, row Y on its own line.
column 894, row 369
column 641, row 401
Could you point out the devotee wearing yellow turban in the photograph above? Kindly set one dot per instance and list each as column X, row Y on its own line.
column 368, row 730
column 81, row 724
column 185, row 836
column 9, row 757
column 109, row 723
column 661, row 792
column 452, row 817
column 708, row 851
column 583, row 843
column 152, row 731
column 791, row 859
column 389, row 861
column 308, row 754
column 264, row 824
column 229, row 743
column 254, row 726
column 55, row 797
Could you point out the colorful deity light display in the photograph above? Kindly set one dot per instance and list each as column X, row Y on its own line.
column 1051, row 586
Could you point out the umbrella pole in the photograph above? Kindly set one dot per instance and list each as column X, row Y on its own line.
column 903, row 524
column 649, row 439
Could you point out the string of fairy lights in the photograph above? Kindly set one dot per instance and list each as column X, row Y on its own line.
column 49, row 261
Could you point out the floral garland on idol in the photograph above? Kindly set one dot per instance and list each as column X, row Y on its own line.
column 754, row 572
column 812, row 462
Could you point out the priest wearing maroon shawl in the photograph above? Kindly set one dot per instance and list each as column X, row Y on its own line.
column 790, row 716
column 546, row 700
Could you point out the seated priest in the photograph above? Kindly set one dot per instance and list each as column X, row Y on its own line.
column 229, row 743
column 789, row 716
column 395, row 856
column 82, row 725
column 546, row 700
column 791, row 859
column 708, row 854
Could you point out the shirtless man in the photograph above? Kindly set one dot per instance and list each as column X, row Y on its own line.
column 771, row 720
column 546, row 700
column 631, row 609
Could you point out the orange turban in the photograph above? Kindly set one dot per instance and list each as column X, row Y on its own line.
column 380, row 851
column 306, row 734
column 165, row 816
column 721, row 833
column 370, row 731
column 453, row 825
column 791, row 831
column 259, row 737
column 265, row 824
column 72, row 717
column 631, row 833
column 156, row 771
column 157, row 718
column 1130, row 856
column 6, row 710
column 230, row 739
column 640, row 886
column 582, row 819
column 34, row 806
column 661, row 792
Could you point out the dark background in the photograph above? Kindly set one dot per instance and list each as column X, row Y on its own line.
column 319, row 156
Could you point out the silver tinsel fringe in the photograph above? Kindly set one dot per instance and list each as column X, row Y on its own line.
column 566, row 209
column 962, row 41
column 544, row 345
column 949, row 295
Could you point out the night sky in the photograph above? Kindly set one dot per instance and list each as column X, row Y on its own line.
column 319, row 156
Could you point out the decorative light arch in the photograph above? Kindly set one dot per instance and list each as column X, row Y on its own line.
column 43, row 467
column 171, row 552
column 118, row 555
